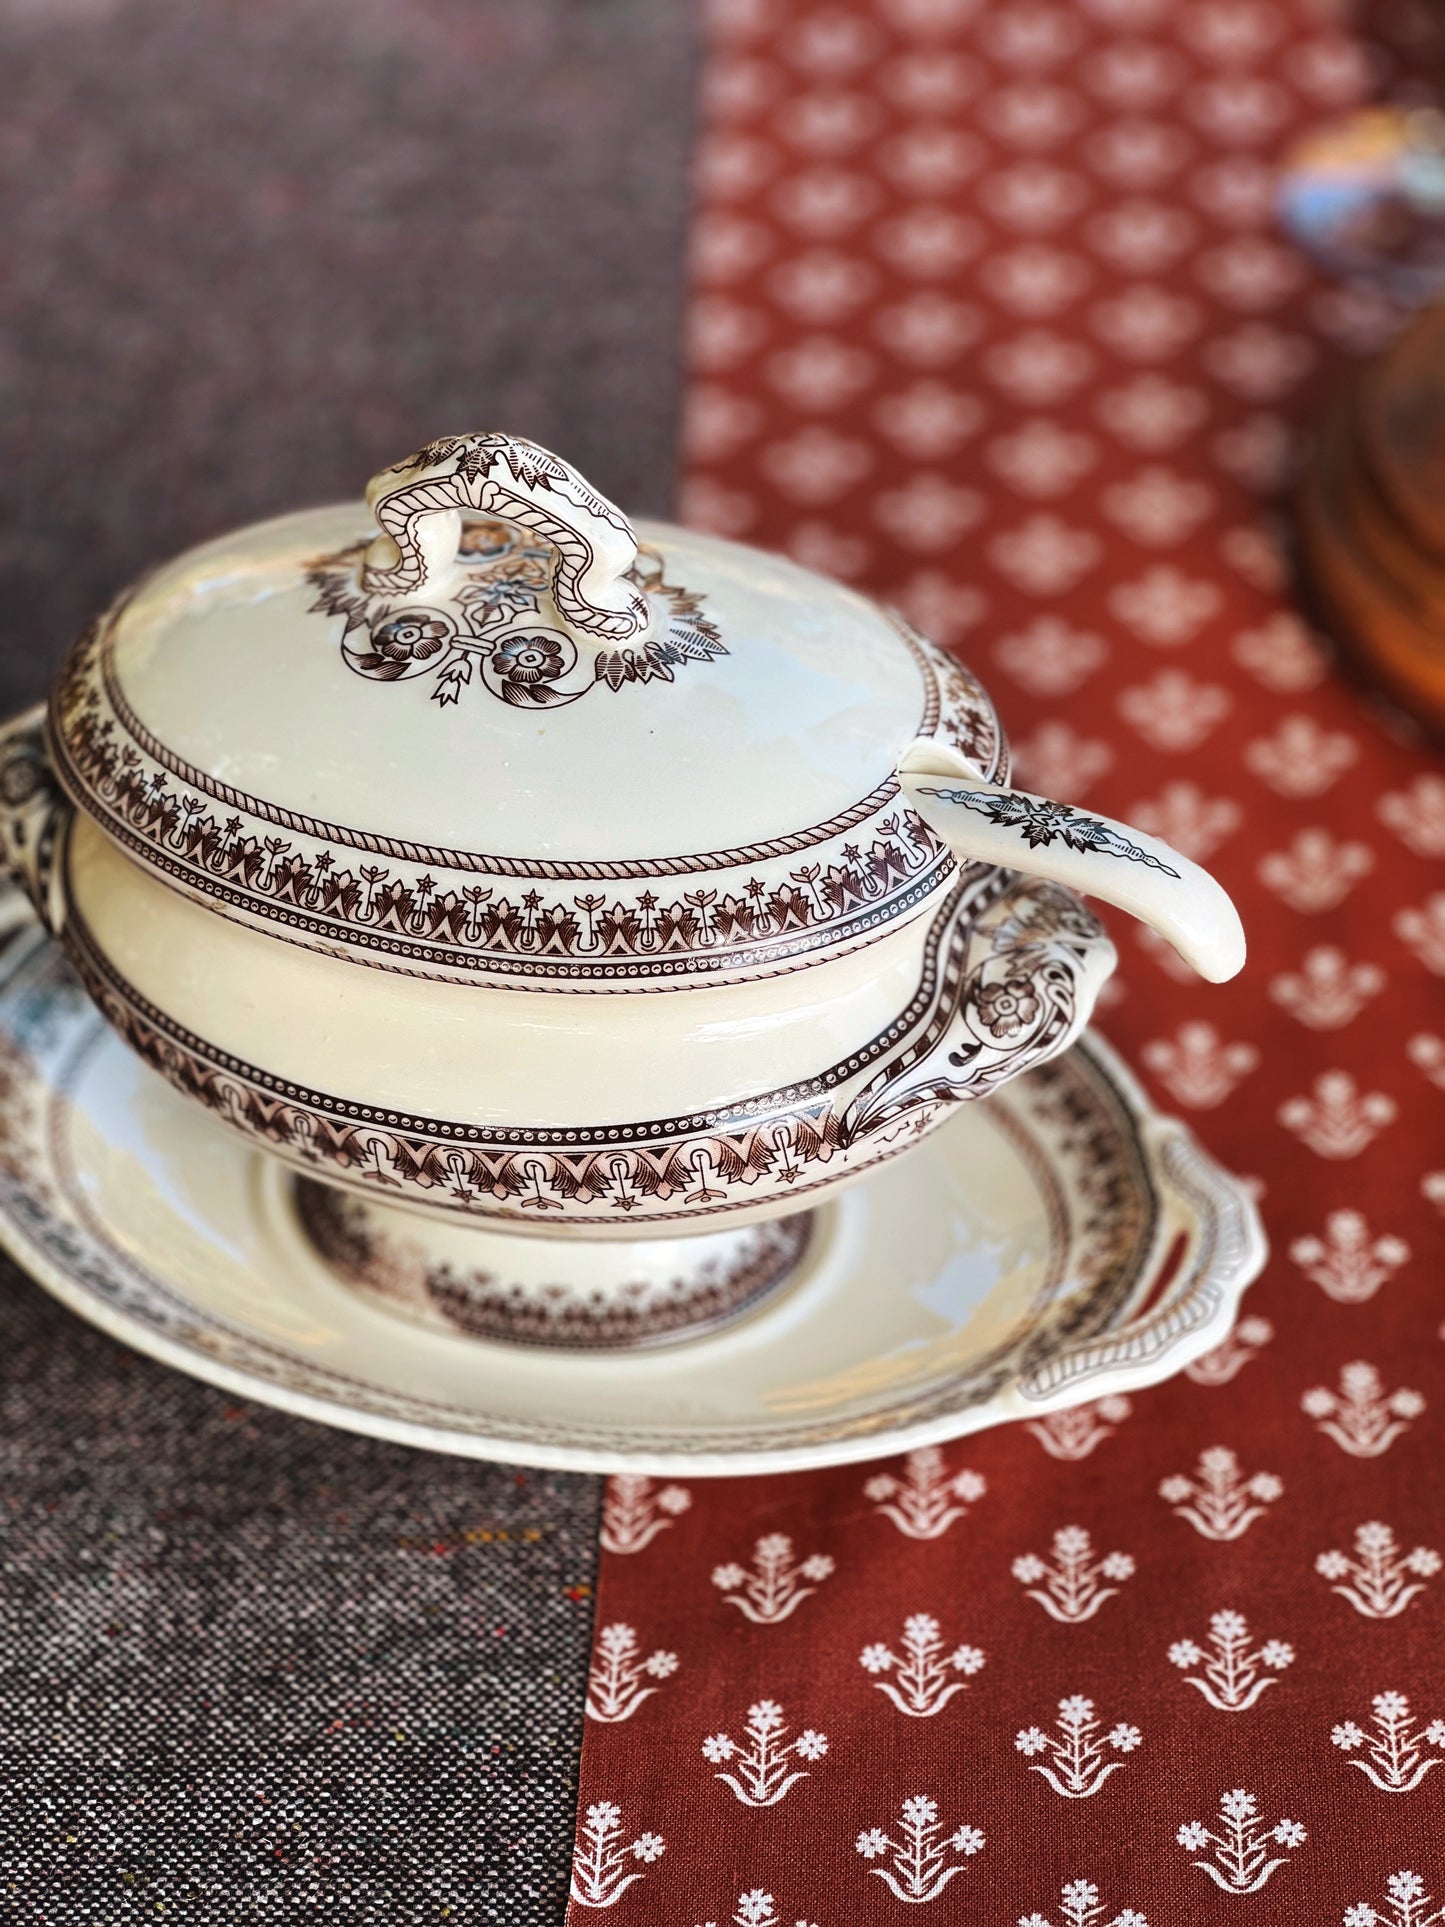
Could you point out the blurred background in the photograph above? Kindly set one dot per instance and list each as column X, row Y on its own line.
column 254, row 250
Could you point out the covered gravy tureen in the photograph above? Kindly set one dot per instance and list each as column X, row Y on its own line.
column 510, row 872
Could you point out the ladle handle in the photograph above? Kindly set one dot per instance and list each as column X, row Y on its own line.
column 983, row 822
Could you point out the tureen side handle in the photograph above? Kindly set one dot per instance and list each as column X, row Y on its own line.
column 34, row 816
column 1022, row 990
column 984, row 822
column 418, row 505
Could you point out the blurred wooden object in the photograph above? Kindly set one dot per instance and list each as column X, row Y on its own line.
column 1371, row 510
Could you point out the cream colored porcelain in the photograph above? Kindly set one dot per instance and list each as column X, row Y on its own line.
column 526, row 872
column 1058, row 1243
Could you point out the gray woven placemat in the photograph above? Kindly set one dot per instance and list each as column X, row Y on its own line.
column 252, row 1670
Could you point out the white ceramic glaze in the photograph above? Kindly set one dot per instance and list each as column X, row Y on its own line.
column 1059, row 1243
column 1134, row 871
column 522, row 869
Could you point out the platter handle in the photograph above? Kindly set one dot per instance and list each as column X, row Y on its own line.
column 1211, row 1230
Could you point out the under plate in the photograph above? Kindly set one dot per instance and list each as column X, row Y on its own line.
column 1056, row 1243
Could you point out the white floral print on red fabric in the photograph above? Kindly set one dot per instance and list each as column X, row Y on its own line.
column 635, row 1511
column 1417, row 814
column 1327, row 991
column 1426, row 1052
column 1318, row 871
column 920, row 1684
column 1396, row 1746
column 1081, row 1905
column 1301, row 759
column 1027, row 258
column 1073, row 1758
column 919, row 1867
column 615, row 1685
column 1227, row 1361
column 1071, row 1587
column 1077, row 1430
column 1221, row 1501
column 1282, row 654
column 927, row 1499
column 1049, row 658
column 1423, row 930
column 600, row 1870
column 1173, row 712
column 1350, row 1262
column 757, row 1908
column 773, row 1589
column 759, row 1767
column 1165, row 607
column 1361, row 1417
column 1380, row 1579
column 1237, row 1849
column 1197, row 1067
column 1338, row 1120
column 1407, row 1904
column 1233, row 1675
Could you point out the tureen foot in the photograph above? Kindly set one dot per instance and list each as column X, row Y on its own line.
column 583, row 1294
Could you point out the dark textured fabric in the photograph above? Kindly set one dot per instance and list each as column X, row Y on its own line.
column 257, row 251
column 252, row 1670
column 250, row 1667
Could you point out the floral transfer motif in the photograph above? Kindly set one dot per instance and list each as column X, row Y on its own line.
column 1396, row 1757
column 600, row 1873
column 923, row 1502
column 614, row 1685
column 763, row 1772
column 1041, row 822
column 903, row 1082
column 635, row 1511
column 1234, row 1675
column 431, row 908
column 773, row 1590
column 1220, row 1502
column 919, row 1868
column 1381, row 1580
column 920, row 1685
column 1071, row 1590
column 1362, row 1418
column 1236, row 1851
column 502, row 624
column 1077, row 1765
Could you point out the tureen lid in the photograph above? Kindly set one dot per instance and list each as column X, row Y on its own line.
column 512, row 740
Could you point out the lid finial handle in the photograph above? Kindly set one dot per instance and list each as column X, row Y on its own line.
column 419, row 502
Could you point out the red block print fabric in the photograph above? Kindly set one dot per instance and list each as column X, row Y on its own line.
column 992, row 318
